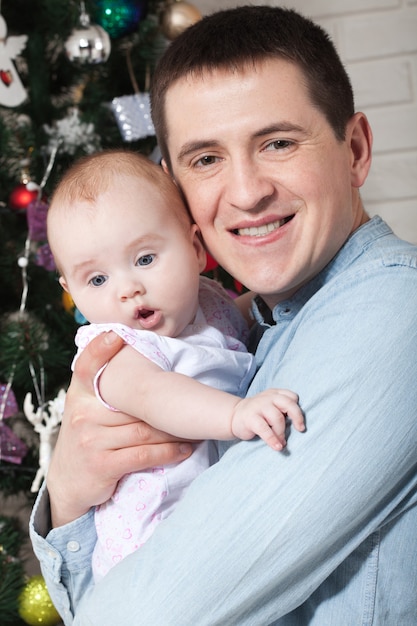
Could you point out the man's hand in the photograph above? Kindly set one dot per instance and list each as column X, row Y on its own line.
column 96, row 446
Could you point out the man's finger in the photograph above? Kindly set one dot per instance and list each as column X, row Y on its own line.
column 142, row 457
column 96, row 354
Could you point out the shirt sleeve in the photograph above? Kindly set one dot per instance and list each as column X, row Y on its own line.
column 65, row 555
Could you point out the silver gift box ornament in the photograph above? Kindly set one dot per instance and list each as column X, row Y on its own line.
column 133, row 116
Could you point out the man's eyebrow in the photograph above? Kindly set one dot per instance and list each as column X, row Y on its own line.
column 194, row 146
column 279, row 127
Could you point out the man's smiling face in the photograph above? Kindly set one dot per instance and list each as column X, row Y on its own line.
column 272, row 189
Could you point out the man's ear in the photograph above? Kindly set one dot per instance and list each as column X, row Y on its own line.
column 167, row 171
column 63, row 284
column 199, row 246
column 359, row 137
column 165, row 167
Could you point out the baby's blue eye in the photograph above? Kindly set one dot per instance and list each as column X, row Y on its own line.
column 99, row 280
column 146, row 259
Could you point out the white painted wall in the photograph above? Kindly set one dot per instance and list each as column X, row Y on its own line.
column 377, row 41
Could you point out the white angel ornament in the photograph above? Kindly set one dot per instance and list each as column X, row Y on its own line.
column 12, row 92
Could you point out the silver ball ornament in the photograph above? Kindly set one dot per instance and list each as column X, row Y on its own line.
column 88, row 43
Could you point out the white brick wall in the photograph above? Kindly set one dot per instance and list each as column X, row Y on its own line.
column 377, row 40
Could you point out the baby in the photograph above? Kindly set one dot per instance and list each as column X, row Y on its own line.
column 130, row 256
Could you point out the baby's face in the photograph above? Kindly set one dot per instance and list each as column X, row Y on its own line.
column 127, row 259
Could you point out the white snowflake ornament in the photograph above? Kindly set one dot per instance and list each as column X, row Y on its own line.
column 12, row 92
column 71, row 134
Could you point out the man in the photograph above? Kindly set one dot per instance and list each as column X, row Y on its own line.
column 256, row 124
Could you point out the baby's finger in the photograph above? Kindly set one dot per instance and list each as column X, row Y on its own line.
column 287, row 405
column 272, row 432
column 295, row 414
column 290, row 394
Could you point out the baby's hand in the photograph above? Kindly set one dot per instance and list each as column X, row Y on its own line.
column 265, row 415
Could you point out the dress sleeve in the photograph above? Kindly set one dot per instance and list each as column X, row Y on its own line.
column 220, row 311
column 151, row 345
column 146, row 342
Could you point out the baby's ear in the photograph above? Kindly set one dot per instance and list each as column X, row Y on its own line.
column 63, row 284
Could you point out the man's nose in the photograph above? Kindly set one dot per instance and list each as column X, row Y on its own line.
column 247, row 186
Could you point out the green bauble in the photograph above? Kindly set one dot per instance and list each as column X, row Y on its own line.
column 120, row 17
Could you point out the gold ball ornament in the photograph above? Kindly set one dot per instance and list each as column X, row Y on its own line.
column 177, row 17
column 67, row 302
column 35, row 604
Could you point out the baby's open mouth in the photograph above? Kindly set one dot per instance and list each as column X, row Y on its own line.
column 149, row 319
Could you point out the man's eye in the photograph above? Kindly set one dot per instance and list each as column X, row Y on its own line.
column 206, row 160
column 279, row 144
column 97, row 281
column 146, row 259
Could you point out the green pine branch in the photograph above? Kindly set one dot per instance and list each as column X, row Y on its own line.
column 11, row 570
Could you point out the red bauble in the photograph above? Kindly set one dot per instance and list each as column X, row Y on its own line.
column 211, row 263
column 22, row 196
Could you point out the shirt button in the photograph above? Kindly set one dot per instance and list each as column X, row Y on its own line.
column 73, row 546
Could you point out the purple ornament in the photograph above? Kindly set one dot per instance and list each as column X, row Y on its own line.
column 8, row 404
column 44, row 258
column 36, row 218
column 12, row 449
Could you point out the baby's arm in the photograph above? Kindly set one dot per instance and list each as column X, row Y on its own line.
column 184, row 407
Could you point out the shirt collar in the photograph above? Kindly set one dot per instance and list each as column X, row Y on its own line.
column 352, row 248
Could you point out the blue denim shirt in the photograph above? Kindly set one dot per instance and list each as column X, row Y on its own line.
column 322, row 534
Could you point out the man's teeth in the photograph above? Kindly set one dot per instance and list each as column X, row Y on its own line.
column 259, row 231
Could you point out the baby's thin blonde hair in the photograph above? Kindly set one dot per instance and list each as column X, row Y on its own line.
column 92, row 175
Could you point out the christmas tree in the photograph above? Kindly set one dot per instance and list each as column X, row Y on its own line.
column 74, row 79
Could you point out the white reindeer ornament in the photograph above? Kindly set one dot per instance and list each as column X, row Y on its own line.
column 45, row 421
